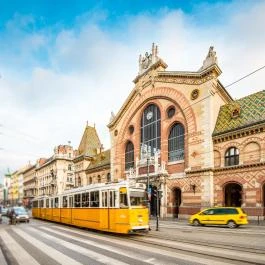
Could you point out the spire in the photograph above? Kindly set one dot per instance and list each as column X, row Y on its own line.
column 210, row 59
column 149, row 59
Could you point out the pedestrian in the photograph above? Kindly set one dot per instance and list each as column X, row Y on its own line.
column 12, row 216
column 0, row 214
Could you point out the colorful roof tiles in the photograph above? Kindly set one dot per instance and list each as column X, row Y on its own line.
column 241, row 113
column 100, row 160
column 90, row 142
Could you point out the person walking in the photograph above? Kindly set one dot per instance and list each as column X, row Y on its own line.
column 12, row 217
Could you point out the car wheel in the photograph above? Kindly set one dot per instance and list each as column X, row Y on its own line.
column 231, row 224
column 196, row 222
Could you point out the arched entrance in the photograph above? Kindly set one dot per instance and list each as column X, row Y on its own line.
column 233, row 194
column 176, row 201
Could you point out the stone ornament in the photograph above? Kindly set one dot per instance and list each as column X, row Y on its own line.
column 194, row 94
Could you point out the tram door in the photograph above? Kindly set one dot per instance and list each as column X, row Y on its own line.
column 108, row 211
column 104, row 211
column 111, row 208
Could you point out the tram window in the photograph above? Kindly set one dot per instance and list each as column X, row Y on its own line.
column 137, row 198
column 47, row 203
column 65, row 199
column 52, row 205
column 94, row 195
column 77, row 200
column 35, row 204
column 85, row 199
column 112, row 198
column 41, row 204
column 104, row 198
column 71, row 202
column 56, row 202
column 123, row 200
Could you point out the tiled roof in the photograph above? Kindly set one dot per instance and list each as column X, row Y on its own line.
column 241, row 113
column 90, row 142
column 100, row 160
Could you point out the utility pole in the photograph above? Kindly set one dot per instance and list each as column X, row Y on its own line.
column 157, row 206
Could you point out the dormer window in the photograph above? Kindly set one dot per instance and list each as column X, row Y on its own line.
column 235, row 113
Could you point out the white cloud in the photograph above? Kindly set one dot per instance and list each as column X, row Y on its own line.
column 89, row 72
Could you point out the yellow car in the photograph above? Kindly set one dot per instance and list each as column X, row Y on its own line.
column 230, row 216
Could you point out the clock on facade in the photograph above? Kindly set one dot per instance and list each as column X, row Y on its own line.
column 149, row 115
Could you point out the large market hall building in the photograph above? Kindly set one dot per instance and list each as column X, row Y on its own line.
column 182, row 133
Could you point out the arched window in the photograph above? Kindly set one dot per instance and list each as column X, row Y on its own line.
column 129, row 156
column 176, row 143
column 79, row 181
column 99, row 179
column 232, row 157
column 108, row 177
column 151, row 129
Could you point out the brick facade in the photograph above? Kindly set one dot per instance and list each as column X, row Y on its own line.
column 201, row 178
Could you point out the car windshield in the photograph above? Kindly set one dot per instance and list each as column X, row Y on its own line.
column 20, row 211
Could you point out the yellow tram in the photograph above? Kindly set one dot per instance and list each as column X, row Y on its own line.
column 113, row 207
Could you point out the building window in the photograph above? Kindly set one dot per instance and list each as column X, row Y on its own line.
column 131, row 129
column 176, row 143
column 129, row 155
column 151, row 129
column 108, row 177
column 171, row 112
column 69, row 167
column 79, row 181
column 99, row 179
column 232, row 157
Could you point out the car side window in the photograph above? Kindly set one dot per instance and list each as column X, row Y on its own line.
column 217, row 211
column 220, row 211
column 209, row 212
column 231, row 211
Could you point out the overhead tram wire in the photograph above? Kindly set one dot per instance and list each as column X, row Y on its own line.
column 1, row 125
column 214, row 92
column 245, row 76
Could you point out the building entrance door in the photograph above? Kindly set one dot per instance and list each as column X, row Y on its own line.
column 233, row 195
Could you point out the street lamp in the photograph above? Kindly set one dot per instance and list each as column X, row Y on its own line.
column 148, row 184
column 148, row 180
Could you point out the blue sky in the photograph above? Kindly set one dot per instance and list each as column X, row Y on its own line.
column 57, row 59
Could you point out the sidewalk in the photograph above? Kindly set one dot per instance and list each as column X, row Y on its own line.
column 186, row 221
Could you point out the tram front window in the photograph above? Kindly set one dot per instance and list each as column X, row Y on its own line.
column 123, row 200
column 138, row 198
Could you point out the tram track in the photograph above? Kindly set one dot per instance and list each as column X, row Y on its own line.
column 216, row 245
column 237, row 254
